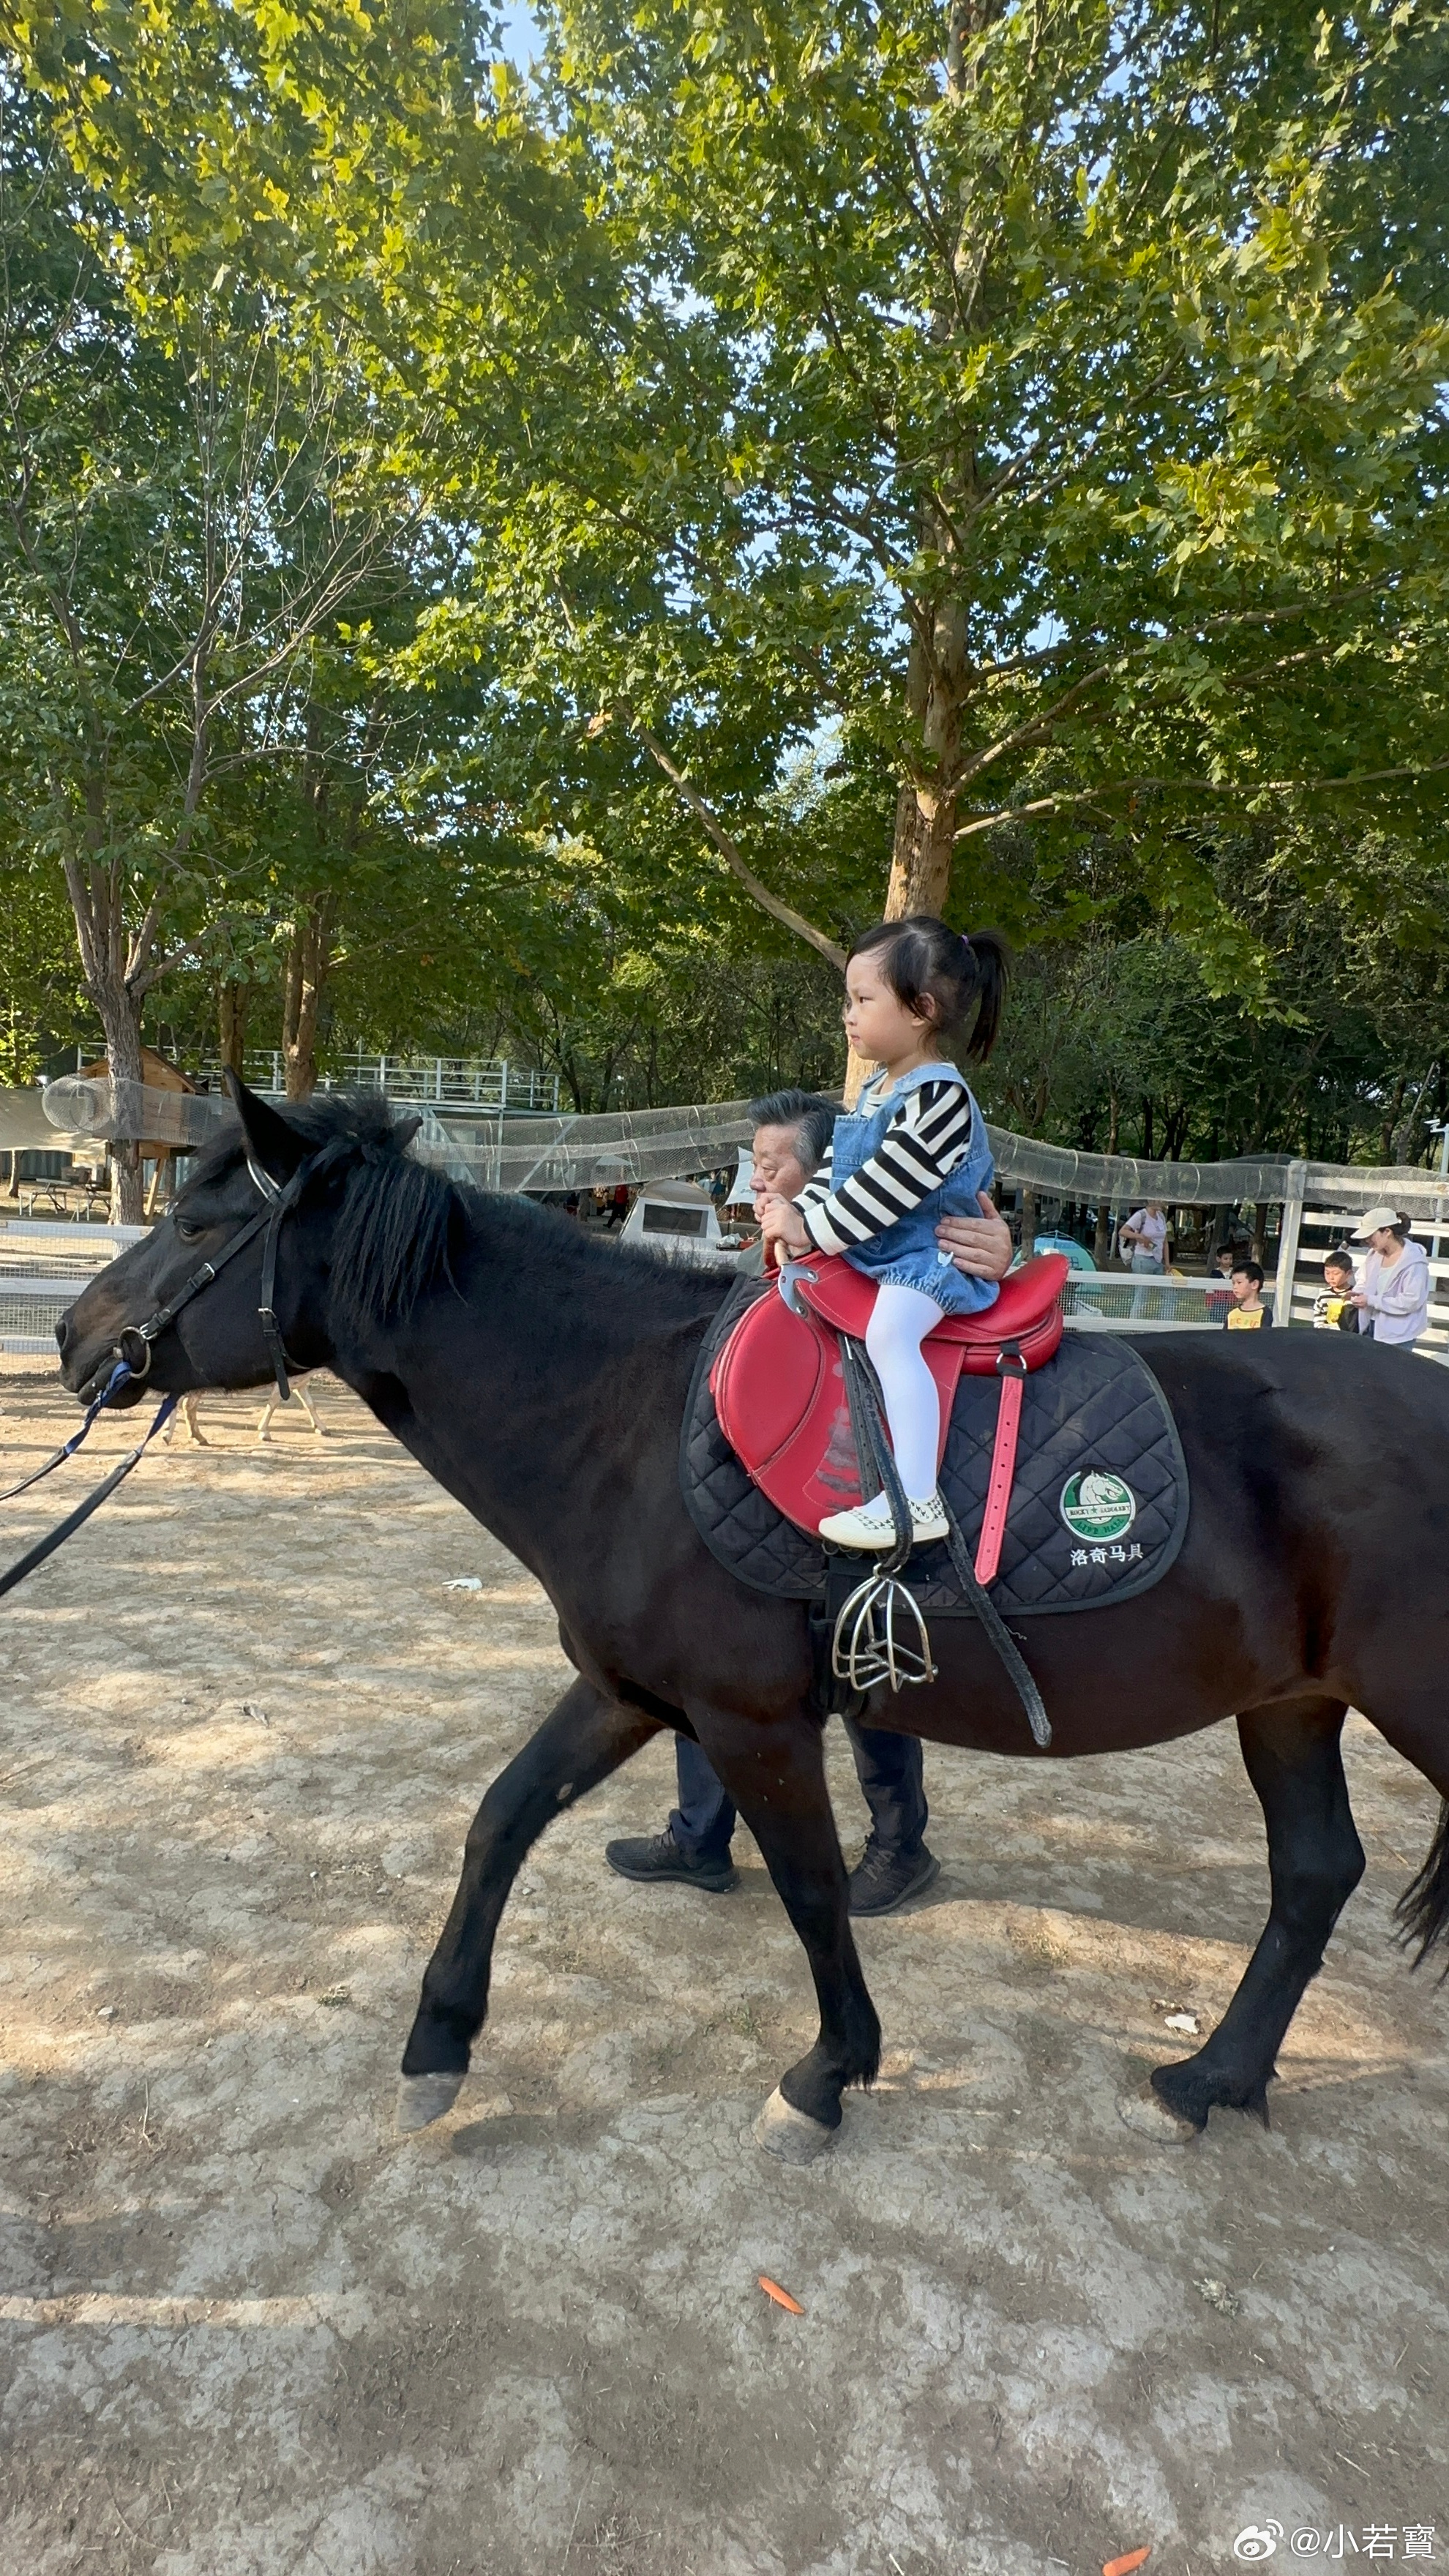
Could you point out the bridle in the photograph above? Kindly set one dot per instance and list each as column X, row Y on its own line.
column 129, row 1361
column 135, row 1345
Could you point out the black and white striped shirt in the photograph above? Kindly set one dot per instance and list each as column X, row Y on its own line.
column 928, row 1137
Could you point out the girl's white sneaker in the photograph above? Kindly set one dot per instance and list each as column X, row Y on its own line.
column 870, row 1528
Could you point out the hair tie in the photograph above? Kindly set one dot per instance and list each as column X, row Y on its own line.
column 966, row 944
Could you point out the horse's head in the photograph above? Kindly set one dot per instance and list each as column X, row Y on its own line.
column 330, row 1186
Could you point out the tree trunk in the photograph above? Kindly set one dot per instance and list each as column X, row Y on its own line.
column 111, row 966
column 308, row 959
column 1102, row 1240
column 1386, row 1129
column 121, row 1019
column 1028, row 1221
column 234, row 1002
column 920, row 877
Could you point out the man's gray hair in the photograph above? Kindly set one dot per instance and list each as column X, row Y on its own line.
column 810, row 1114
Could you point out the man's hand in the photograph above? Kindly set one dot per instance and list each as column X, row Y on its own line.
column 782, row 1223
column 981, row 1246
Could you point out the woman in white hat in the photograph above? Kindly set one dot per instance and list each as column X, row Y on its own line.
column 1393, row 1295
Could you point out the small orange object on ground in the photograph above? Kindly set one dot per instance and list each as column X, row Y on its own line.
column 1124, row 2566
column 783, row 2299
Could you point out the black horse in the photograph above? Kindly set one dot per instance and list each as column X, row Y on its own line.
column 541, row 1379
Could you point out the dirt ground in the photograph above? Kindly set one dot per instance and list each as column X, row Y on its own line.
column 246, row 2332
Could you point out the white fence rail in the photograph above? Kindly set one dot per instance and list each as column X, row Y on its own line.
column 1311, row 1232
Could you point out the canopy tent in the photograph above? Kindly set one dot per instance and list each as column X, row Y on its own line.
column 742, row 1187
column 24, row 1126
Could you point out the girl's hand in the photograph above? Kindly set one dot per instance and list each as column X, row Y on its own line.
column 782, row 1223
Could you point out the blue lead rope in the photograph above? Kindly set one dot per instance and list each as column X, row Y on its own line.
column 57, row 1537
column 115, row 1381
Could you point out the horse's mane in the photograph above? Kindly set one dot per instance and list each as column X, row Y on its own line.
column 401, row 1227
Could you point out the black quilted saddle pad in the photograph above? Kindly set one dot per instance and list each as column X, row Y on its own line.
column 1098, row 1509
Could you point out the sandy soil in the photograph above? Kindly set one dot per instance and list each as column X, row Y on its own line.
column 245, row 2332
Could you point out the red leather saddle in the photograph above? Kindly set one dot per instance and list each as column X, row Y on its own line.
column 780, row 1395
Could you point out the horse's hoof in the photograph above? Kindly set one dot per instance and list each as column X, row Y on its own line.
column 790, row 2134
column 421, row 2099
column 1147, row 2116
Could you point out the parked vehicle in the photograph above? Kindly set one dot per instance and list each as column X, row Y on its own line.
column 678, row 1218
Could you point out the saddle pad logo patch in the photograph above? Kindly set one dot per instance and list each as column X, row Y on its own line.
column 1097, row 1505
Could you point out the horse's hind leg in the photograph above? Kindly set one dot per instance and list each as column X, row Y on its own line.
column 1315, row 1862
column 579, row 1743
column 1411, row 1712
column 775, row 1773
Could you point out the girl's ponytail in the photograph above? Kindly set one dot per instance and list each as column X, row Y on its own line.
column 993, row 972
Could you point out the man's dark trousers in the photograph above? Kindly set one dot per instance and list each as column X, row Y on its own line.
column 890, row 1769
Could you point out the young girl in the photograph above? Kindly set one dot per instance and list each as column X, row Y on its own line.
column 913, row 1151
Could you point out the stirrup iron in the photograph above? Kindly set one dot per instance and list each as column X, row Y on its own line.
column 869, row 1647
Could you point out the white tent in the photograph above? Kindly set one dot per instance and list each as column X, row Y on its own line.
column 743, row 1186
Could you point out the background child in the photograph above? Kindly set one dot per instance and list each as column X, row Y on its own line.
column 1333, row 1307
column 1247, row 1313
column 912, row 1151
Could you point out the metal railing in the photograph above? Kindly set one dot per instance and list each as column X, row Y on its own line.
column 453, row 1081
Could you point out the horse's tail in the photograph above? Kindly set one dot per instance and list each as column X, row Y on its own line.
column 1422, row 1912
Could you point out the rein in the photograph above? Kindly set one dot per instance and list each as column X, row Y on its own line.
column 117, row 1379
column 65, row 1529
column 133, row 1353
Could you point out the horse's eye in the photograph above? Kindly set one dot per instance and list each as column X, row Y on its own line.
column 188, row 1233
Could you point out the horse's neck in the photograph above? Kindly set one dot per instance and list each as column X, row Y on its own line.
column 530, row 1408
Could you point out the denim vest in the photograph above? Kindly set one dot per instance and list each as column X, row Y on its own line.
column 907, row 1253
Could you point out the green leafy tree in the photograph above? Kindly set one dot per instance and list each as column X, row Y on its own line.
column 1046, row 399
column 184, row 512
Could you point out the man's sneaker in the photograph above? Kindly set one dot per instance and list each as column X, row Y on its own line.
column 653, row 1858
column 870, row 1528
column 881, row 1880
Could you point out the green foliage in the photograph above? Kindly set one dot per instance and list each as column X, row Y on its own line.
column 1048, row 400
column 1035, row 409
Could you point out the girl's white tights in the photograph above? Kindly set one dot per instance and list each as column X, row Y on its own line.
column 901, row 1319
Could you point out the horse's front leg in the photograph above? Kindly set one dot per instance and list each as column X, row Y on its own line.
column 579, row 1743
column 774, row 1770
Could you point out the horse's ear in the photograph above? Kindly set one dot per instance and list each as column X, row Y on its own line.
column 272, row 1141
column 404, row 1130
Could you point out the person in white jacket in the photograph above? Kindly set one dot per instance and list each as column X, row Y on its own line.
column 1392, row 1296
